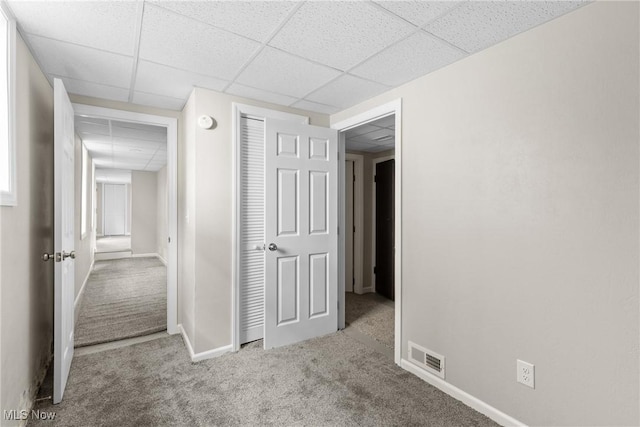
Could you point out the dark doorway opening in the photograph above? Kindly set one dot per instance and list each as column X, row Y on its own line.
column 385, row 226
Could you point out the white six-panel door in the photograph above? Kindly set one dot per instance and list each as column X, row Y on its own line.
column 301, row 224
column 64, row 139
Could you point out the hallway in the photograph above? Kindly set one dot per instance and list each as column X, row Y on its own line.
column 123, row 298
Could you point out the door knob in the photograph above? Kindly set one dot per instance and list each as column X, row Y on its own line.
column 66, row 255
column 273, row 247
column 47, row 257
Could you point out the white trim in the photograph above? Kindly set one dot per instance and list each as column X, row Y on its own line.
column 374, row 162
column 393, row 107
column 147, row 255
column 10, row 198
column 209, row 354
column 461, row 395
column 162, row 260
column 342, row 221
column 172, row 188
column 237, row 110
column 358, row 214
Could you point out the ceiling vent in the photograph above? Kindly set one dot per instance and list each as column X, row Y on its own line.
column 426, row 359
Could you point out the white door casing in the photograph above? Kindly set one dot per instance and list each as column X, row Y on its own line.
column 251, row 262
column 64, row 289
column 349, row 278
column 301, row 220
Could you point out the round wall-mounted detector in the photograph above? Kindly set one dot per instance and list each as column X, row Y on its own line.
column 205, row 122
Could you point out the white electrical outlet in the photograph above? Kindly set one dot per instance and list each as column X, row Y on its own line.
column 526, row 373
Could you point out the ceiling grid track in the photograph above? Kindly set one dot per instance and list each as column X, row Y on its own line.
column 264, row 44
column 136, row 49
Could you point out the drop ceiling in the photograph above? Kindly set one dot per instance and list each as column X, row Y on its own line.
column 122, row 145
column 322, row 56
column 373, row 137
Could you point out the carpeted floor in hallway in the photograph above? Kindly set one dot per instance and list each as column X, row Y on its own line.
column 123, row 298
column 113, row 244
column 372, row 315
column 328, row 381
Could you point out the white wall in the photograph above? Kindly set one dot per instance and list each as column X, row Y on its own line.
column 186, row 220
column 26, row 282
column 521, row 218
column 205, row 196
column 162, row 225
column 83, row 245
column 144, row 212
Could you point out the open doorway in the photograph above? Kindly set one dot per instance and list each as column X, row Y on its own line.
column 371, row 295
column 369, row 308
column 129, row 292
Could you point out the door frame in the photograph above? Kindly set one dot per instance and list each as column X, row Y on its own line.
column 384, row 110
column 171, row 124
column 374, row 162
column 358, row 222
column 237, row 111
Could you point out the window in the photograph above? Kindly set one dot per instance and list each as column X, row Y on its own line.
column 8, row 196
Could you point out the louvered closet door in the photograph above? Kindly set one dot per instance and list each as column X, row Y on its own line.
column 252, row 267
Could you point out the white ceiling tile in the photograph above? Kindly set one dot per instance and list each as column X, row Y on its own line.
column 187, row 44
column 361, row 130
column 373, row 137
column 280, row 72
column 162, row 80
column 381, row 148
column 82, row 63
column 411, row 58
column 303, row 104
column 346, row 91
column 358, row 146
column 155, row 129
column 478, row 25
column 158, row 101
column 255, row 20
column 83, row 127
column 341, row 33
column 259, row 94
column 81, row 87
column 106, row 25
column 418, row 12
column 138, row 134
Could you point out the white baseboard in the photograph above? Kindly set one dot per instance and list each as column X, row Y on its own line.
column 162, row 260
column 469, row 400
column 210, row 354
column 367, row 290
column 149, row 255
column 107, row 256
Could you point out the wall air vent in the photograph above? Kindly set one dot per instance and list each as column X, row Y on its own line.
column 428, row 360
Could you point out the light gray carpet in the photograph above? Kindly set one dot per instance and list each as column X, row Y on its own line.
column 328, row 381
column 372, row 315
column 113, row 244
column 123, row 298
